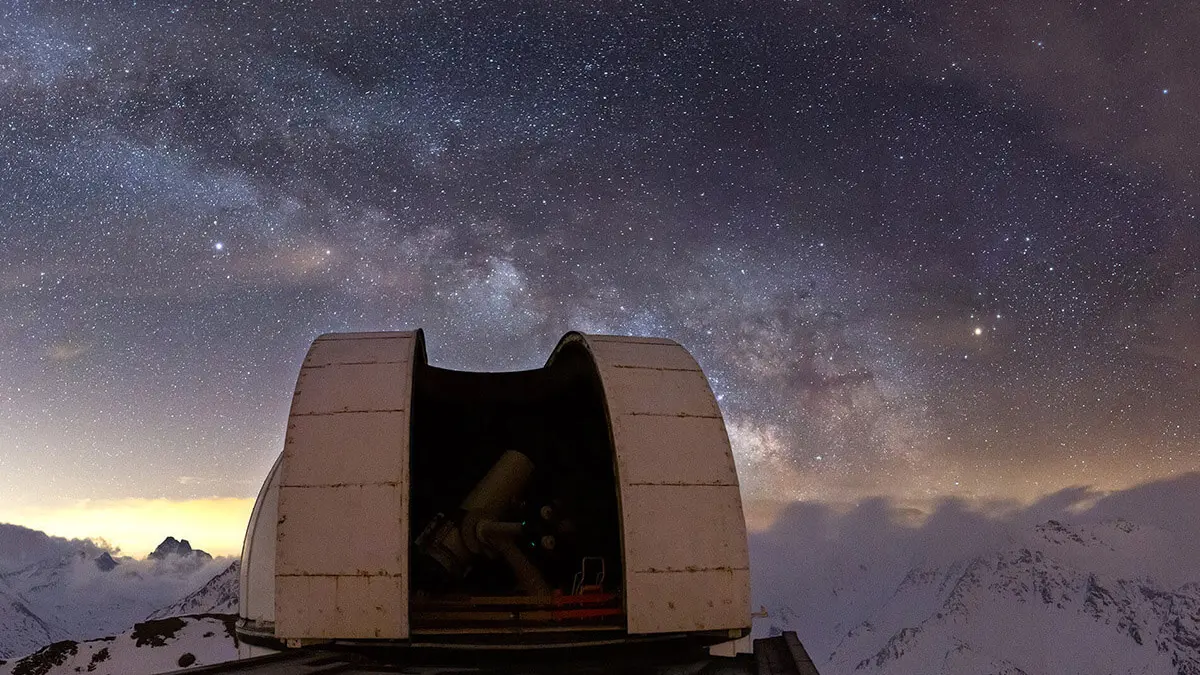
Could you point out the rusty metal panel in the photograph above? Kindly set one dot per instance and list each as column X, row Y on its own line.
column 684, row 537
column 688, row 455
column 597, row 339
column 674, row 602
column 367, row 335
column 256, row 578
column 656, row 355
column 365, row 348
column 343, row 530
column 340, row 605
column 359, row 448
column 343, row 496
column 357, row 387
column 644, row 391
column 711, row 516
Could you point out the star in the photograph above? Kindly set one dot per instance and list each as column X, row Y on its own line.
column 757, row 185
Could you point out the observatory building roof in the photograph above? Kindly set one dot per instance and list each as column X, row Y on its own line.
column 593, row 499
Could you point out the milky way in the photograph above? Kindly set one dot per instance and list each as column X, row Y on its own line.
column 919, row 248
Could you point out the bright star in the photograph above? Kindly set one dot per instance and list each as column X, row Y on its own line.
column 978, row 331
column 220, row 246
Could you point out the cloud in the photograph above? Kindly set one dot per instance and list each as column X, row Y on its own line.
column 20, row 546
column 137, row 525
column 831, row 563
column 62, row 352
column 76, row 598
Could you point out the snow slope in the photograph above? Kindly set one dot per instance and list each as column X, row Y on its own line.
column 1025, row 612
column 75, row 591
column 150, row 647
column 218, row 596
column 84, row 601
column 22, row 631
column 1080, row 583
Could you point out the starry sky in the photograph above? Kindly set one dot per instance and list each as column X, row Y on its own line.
column 920, row 248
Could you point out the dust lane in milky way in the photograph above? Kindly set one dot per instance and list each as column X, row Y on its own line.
column 919, row 250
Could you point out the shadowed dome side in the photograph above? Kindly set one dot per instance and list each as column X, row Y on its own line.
column 256, row 589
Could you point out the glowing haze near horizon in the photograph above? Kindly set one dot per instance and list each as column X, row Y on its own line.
column 921, row 249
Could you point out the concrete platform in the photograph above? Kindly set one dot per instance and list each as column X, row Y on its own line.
column 781, row 655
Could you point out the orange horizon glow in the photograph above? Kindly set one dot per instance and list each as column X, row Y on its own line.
column 217, row 525
column 137, row 525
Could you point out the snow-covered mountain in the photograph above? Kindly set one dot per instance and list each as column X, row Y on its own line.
column 1022, row 611
column 73, row 590
column 63, row 593
column 150, row 647
column 882, row 590
column 218, row 596
column 1076, row 584
column 22, row 631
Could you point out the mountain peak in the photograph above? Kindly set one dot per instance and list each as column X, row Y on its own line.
column 105, row 561
column 177, row 547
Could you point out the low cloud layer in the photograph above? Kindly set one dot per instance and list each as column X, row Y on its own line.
column 136, row 526
column 52, row 588
column 829, row 565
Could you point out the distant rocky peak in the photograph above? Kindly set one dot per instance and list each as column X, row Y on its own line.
column 177, row 547
column 105, row 562
column 1055, row 532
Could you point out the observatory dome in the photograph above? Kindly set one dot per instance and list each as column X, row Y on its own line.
column 592, row 500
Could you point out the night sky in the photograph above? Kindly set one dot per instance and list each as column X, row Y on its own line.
column 920, row 249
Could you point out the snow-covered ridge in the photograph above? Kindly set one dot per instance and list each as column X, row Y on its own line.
column 1052, row 589
column 72, row 590
column 1077, row 584
column 1023, row 611
column 218, row 596
column 149, row 647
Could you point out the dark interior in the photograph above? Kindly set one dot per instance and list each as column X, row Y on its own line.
column 462, row 422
